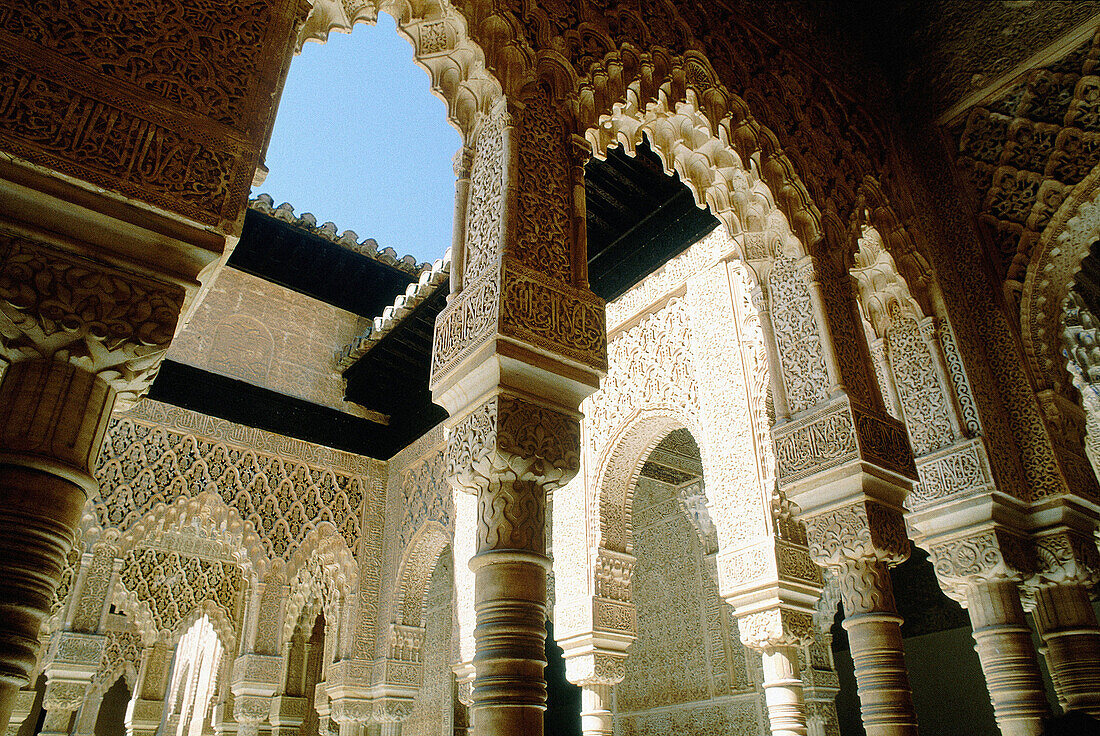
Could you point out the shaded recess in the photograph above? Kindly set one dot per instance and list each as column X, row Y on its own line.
column 283, row 254
column 637, row 217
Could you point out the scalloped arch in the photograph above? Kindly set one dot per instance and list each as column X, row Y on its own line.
column 415, row 572
column 441, row 46
column 1055, row 261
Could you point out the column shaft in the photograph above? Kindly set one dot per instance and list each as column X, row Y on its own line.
column 1067, row 625
column 874, row 637
column 783, row 692
column 509, row 694
column 1009, row 660
column 52, row 419
column 596, row 719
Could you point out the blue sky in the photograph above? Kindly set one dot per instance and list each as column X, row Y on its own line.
column 360, row 140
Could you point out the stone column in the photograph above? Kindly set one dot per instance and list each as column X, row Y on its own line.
column 78, row 334
column 287, row 714
column 514, row 353
column 510, row 451
column 857, row 542
column 981, row 570
column 147, row 708
column 1065, row 618
column 61, row 701
column 88, row 715
column 254, row 680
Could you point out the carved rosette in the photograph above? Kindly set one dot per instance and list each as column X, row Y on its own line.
column 510, row 452
column 864, row 530
column 112, row 323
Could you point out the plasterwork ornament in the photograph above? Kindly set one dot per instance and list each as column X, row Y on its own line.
column 862, row 530
column 959, row 469
column 485, row 209
column 776, row 627
column 281, row 492
column 114, row 324
column 508, row 450
column 800, row 353
column 1065, row 556
column 986, row 555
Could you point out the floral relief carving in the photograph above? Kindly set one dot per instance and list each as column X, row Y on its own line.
column 155, row 456
column 993, row 553
column 109, row 322
column 485, row 209
column 800, row 354
column 926, row 409
column 170, row 585
column 862, row 530
column 544, row 237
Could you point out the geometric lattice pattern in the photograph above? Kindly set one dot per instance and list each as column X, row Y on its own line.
column 143, row 465
column 174, row 585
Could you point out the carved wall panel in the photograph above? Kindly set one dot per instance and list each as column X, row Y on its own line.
column 687, row 650
column 432, row 708
column 167, row 102
column 283, row 487
column 258, row 332
column 800, row 354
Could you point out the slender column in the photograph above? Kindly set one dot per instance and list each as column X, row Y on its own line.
column 778, row 633
column 489, row 453
column 596, row 717
column 52, row 419
column 1008, row 657
column 783, row 691
column 463, row 162
column 61, row 701
column 89, row 713
column 874, row 636
column 1067, row 625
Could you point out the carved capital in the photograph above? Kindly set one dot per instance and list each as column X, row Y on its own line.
column 251, row 709
column 1065, row 556
column 506, row 438
column 776, row 627
column 112, row 323
column 64, row 695
column 864, row 530
column 985, row 555
column 596, row 668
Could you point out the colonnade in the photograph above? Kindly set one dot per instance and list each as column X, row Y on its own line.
column 94, row 279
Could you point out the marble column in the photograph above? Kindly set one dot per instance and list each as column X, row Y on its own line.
column 515, row 351
column 491, row 453
column 21, row 710
column 52, row 419
column 1067, row 626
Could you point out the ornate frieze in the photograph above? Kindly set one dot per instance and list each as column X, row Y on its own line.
column 960, row 469
column 836, row 434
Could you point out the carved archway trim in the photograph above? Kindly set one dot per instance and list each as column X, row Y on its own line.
column 1057, row 257
column 620, row 466
column 441, row 45
column 415, row 572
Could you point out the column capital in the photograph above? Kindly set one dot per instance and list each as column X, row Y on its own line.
column 986, row 554
column 776, row 627
column 506, row 437
column 1064, row 555
column 113, row 323
column 863, row 530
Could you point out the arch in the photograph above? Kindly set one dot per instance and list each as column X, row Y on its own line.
column 442, row 47
column 415, row 572
column 204, row 513
column 321, row 582
column 617, row 473
column 1056, row 259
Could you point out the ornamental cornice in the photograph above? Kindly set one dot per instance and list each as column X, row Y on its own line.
column 109, row 322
